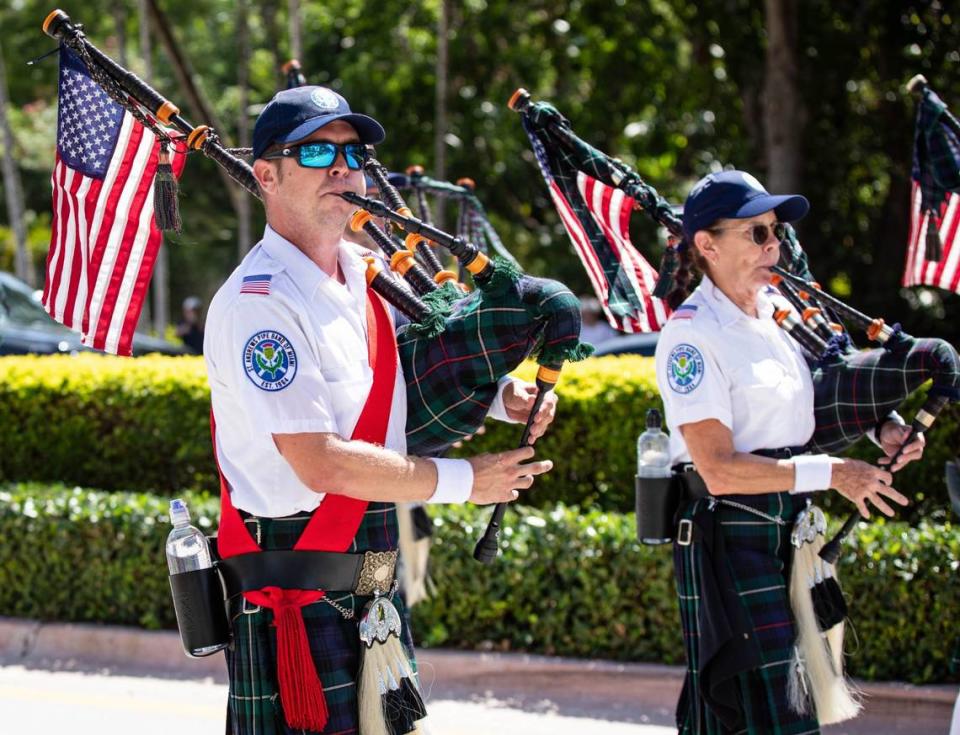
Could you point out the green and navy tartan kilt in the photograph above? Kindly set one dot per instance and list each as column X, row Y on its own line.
column 758, row 554
column 254, row 706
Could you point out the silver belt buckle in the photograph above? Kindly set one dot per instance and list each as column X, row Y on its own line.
column 685, row 532
column 377, row 572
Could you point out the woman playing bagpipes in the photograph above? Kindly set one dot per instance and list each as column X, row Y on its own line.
column 739, row 401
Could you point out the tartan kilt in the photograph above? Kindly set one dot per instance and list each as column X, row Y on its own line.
column 758, row 554
column 253, row 706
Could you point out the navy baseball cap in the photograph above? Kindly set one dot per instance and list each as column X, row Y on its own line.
column 736, row 195
column 293, row 114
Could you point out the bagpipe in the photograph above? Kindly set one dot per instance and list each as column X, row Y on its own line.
column 463, row 343
column 457, row 345
column 855, row 390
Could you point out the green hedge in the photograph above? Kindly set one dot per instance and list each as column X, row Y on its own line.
column 116, row 423
column 567, row 584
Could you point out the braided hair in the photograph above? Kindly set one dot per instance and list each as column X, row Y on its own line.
column 690, row 266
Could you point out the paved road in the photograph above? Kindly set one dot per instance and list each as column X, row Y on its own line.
column 46, row 702
column 98, row 703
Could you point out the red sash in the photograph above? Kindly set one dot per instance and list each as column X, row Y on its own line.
column 332, row 527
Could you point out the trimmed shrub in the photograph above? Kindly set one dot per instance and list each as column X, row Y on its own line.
column 107, row 422
column 568, row 583
column 143, row 424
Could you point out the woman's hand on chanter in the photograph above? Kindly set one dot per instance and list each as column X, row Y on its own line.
column 859, row 482
column 894, row 434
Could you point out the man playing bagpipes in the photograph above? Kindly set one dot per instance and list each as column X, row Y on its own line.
column 739, row 401
column 310, row 408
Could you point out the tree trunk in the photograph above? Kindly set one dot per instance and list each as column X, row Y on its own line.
column 784, row 115
column 296, row 32
column 23, row 265
column 440, row 117
column 161, row 271
column 120, row 28
column 244, row 235
column 185, row 78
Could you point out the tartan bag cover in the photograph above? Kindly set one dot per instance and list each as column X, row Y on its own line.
column 452, row 366
column 333, row 526
column 757, row 553
column 854, row 392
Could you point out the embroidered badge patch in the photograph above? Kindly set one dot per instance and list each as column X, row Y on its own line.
column 269, row 360
column 684, row 368
column 324, row 99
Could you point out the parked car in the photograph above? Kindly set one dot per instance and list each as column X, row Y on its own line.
column 26, row 328
column 632, row 344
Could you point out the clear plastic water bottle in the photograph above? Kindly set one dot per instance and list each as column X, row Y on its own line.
column 195, row 586
column 653, row 448
column 187, row 547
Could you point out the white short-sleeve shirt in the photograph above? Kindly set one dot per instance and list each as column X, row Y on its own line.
column 713, row 361
column 286, row 352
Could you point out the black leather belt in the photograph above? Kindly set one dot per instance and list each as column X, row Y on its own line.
column 694, row 488
column 361, row 574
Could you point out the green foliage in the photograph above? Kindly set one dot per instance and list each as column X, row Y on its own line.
column 674, row 87
column 567, row 583
column 114, row 423
column 143, row 424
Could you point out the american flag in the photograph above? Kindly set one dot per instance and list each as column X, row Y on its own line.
column 934, row 197
column 104, row 240
column 943, row 273
column 597, row 219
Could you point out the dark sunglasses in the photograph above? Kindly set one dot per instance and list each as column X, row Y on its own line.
column 760, row 234
column 322, row 154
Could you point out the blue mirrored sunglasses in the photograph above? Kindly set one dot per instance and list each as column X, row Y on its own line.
column 322, row 154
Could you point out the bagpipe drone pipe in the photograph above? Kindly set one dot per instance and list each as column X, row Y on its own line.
column 854, row 389
column 473, row 224
column 458, row 344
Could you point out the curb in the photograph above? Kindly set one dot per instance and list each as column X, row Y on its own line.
column 117, row 649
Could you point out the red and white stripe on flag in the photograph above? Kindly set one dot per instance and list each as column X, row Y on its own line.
column 104, row 241
column 919, row 271
column 611, row 210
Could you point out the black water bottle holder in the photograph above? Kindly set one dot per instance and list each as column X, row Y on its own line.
column 201, row 614
column 657, row 501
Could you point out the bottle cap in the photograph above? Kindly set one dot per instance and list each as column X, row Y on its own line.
column 654, row 421
column 179, row 515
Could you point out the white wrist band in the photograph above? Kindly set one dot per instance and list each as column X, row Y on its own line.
column 812, row 472
column 454, row 481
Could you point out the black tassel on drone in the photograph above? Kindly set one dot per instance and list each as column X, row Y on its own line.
column 165, row 192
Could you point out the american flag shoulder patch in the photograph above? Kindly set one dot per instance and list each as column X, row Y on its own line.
column 686, row 311
column 258, row 284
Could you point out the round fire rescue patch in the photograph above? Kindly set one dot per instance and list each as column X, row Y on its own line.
column 684, row 368
column 269, row 360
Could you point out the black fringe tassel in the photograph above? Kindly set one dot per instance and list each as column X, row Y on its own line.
column 166, row 209
column 934, row 247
